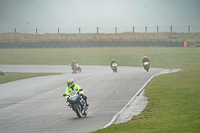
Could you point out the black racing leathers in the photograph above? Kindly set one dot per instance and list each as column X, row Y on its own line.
column 146, row 60
column 112, row 63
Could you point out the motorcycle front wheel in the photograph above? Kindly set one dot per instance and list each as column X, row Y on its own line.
column 77, row 109
column 147, row 68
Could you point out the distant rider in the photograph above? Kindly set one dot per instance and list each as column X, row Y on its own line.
column 145, row 60
column 72, row 64
column 72, row 86
column 113, row 61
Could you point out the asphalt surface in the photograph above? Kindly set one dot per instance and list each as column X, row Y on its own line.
column 36, row 104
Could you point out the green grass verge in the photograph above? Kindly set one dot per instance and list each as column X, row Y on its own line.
column 13, row 76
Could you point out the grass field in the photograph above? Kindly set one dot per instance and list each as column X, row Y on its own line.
column 12, row 76
column 162, row 57
column 174, row 101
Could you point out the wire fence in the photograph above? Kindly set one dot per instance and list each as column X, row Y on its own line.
column 102, row 30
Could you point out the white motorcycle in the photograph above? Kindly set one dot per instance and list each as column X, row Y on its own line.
column 114, row 67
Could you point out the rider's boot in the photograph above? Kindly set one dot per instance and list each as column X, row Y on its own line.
column 85, row 98
column 86, row 104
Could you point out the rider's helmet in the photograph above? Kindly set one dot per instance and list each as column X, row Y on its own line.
column 145, row 57
column 70, row 82
column 113, row 59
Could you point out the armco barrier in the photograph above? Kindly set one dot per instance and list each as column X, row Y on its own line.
column 67, row 44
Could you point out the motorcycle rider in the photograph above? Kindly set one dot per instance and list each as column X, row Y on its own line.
column 72, row 64
column 113, row 61
column 72, row 86
column 145, row 60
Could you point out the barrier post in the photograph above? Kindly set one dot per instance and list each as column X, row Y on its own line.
column 188, row 29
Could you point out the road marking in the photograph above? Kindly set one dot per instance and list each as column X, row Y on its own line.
column 117, row 115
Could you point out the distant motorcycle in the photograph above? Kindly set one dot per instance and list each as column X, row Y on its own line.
column 77, row 103
column 76, row 68
column 114, row 67
column 146, row 66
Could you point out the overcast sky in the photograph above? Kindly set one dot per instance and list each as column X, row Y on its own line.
column 97, row 13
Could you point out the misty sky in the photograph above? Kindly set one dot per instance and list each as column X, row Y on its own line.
column 98, row 13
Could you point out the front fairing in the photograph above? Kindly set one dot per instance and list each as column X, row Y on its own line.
column 114, row 65
column 76, row 65
column 146, row 63
column 75, row 98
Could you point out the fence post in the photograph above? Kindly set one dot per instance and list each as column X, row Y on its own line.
column 97, row 30
column 115, row 29
column 133, row 29
column 188, row 29
column 145, row 29
column 157, row 29
column 36, row 30
column 58, row 30
column 79, row 30
column 171, row 29
column 15, row 30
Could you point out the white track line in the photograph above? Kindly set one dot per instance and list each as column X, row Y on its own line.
column 116, row 115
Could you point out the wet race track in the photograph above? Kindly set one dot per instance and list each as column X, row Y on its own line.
column 37, row 105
